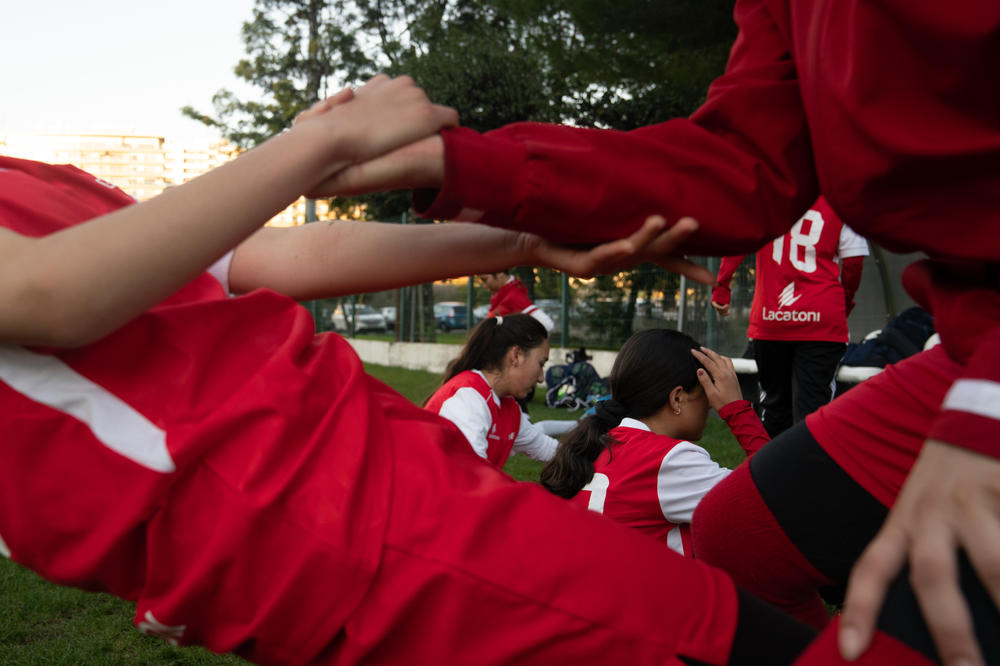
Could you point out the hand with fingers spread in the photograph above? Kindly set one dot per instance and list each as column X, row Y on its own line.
column 718, row 378
column 651, row 242
column 950, row 500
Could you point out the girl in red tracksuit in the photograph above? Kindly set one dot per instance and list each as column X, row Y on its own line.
column 174, row 432
column 634, row 459
column 502, row 361
column 804, row 285
column 906, row 149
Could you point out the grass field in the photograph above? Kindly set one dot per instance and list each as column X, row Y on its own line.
column 41, row 623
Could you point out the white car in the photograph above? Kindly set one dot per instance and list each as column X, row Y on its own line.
column 367, row 319
column 389, row 314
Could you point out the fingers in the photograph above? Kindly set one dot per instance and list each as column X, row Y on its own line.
column 981, row 537
column 420, row 164
column 934, row 577
column 723, row 310
column 866, row 588
column 725, row 385
column 386, row 114
column 324, row 105
column 705, row 380
column 668, row 242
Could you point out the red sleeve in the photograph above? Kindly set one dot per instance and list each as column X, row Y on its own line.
column 742, row 165
column 850, row 278
column 745, row 425
column 965, row 302
column 721, row 293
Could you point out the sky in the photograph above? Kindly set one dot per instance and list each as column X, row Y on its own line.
column 117, row 65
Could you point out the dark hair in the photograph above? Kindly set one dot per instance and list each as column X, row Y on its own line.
column 648, row 367
column 491, row 338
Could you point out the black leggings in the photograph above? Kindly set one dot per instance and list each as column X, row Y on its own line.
column 805, row 489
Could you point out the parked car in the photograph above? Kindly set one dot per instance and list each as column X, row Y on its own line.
column 367, row 319
column 389, row 314
column 451, row 315
column 479, row 313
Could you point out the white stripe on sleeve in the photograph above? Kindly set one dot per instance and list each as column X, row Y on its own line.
column 534, row 443
column 467, row 409
column 976, row 396
column 686, row 474
column 49, row 381
column 220, row 270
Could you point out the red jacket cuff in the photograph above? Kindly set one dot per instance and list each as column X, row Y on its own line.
column 479, row 175
column 970, row 417
column 721, row 295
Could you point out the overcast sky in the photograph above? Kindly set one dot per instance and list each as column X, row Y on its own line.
column 116, row 65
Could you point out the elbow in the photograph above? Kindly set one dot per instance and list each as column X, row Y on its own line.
column 46, row 314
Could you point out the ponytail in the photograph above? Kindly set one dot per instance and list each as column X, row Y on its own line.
column 572, row 467
column 648, row 366
column 489, row 341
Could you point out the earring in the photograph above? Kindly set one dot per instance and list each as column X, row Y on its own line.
column 677, row 412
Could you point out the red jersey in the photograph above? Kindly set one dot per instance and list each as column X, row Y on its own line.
column 798, row 294
column 906, row 150
column 172, row 399
column 494, row 426
column 653, row 482
column 489, row 423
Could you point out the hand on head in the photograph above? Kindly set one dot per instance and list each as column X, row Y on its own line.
column 719, row 379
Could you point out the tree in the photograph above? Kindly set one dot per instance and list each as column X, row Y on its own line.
column 294, row 49
column 586, row 62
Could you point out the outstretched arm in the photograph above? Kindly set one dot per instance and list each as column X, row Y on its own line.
column 334, row 258
column 76, row 285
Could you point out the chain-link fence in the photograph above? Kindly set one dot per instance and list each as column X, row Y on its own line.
column 600, row 313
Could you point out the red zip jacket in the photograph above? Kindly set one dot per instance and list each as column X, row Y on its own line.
column 882, row 107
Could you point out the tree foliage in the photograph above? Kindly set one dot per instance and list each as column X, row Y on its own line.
column 587, row 62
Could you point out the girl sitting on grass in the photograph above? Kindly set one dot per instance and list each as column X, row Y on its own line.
column 634, row 459
column 501, row 362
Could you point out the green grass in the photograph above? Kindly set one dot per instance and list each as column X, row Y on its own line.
column 42, row 623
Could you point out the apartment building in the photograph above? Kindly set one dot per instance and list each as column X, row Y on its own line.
column 142, row 165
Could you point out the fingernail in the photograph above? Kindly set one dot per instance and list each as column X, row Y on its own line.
column 850, row 643
column 700, row 372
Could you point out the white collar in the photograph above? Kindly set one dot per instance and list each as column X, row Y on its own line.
column 629, row 422
column 496, row 398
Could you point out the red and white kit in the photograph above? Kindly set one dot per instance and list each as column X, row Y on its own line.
column 652, row 483
column 512, row 298
column 493, row 425
column 251, row 489
column 906, row 149
column 798, row 292
column 816, row 107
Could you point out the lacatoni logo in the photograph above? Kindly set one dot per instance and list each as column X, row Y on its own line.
column 786, row 298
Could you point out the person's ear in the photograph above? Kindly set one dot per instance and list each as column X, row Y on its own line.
column 677, row 395
column 514, row 355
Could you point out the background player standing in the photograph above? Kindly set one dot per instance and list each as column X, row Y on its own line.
column 804, row 287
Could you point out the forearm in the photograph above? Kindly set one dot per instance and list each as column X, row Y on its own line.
column 741, row 166
column 343, row 257
column 76, row 285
